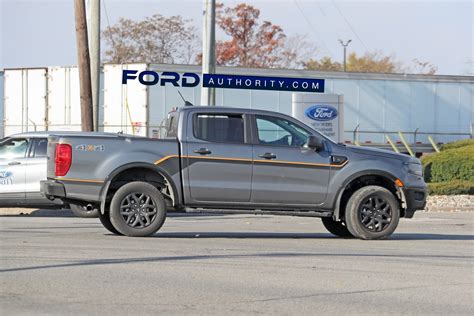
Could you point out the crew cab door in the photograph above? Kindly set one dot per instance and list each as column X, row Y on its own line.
column 217, row 158
column 284, row 172
column 13, row 152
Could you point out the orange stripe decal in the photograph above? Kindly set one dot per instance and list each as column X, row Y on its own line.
column 79, row 180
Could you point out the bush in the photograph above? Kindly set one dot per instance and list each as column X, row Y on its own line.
column 454, row 163
column 451, row 187
column 458, row 144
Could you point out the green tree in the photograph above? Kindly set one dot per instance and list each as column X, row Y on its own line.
column 375, row 62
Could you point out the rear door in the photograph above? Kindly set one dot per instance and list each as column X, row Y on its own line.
column 13, row 158
column 285, row 172
column 36, row 166
column 217, row 158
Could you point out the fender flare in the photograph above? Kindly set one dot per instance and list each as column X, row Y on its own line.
column 153, row 167
column 342, row 188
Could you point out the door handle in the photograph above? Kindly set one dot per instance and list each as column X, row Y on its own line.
column 268, row 156
column 202, row 151
column 13, row 163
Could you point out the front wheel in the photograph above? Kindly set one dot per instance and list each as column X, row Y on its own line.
column 137, row 209
column 337, row 228
column 372, row 212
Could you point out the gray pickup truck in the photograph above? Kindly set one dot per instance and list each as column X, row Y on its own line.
column 239, row 161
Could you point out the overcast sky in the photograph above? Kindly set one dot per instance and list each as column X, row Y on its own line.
column 41, row 32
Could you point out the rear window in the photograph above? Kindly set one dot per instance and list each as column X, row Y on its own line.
column 219, row 128
column 172, row 125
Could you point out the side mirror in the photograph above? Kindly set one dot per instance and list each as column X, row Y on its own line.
column 314, row 142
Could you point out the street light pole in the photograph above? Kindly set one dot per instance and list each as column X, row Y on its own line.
column 345, row 49
column 208, row 96
column 93, row 26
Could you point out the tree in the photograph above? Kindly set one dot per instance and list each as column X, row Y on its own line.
column 251, row 44
column 324, row 64
column 375, row 62
column 424, row 67
column 155, row 39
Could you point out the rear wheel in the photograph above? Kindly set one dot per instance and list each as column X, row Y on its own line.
column 105, row 221
column 137, row 209
column 85, row 211
column 337, row 228
column 372, row 212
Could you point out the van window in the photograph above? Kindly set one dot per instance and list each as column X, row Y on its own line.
column 41, row 146
column 219, row 128
column 13, row 148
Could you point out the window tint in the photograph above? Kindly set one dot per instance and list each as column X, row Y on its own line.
column 219, row 128
column 41, row 146
column 277, row 131
column 13, row 148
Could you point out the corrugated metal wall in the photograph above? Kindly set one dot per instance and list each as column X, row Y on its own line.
column 375, row 104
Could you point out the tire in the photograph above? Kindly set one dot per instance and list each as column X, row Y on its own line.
column 372, row 212
column 105, row 220
column 82, row 211
column 137, row 209
column 337, row 228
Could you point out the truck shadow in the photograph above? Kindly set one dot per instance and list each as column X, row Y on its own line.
column 271, row 235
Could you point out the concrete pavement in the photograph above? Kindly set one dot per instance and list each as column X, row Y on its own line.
column 239, row 264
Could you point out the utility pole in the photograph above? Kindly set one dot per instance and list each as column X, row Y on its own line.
column 84, row 65
column 208, row 95
column 93, row 25
column 345, row 48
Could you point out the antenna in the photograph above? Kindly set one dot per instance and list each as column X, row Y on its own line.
column 186, row 103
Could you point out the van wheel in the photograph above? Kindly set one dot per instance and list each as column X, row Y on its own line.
column 85, row 211
column 105, row 220
column 337, row 228
column 372, row 212
column 137, row 209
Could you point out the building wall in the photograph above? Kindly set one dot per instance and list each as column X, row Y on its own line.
column 375, row 104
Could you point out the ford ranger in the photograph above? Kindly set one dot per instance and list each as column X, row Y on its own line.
column 234, row 160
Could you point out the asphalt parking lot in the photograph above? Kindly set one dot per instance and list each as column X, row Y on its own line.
column 236, row 264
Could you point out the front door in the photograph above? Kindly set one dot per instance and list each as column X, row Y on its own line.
column 13, row 152
column 218, row 158
column 284, row 172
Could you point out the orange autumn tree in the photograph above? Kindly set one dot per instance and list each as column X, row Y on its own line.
column 251, row 44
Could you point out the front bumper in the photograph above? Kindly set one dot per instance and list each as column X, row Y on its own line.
column 52, row 189
column 415, row 200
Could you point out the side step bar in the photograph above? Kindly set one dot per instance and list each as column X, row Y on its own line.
column 262, row 212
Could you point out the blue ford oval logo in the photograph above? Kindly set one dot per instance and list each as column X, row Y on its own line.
column 5, row 174
column 321, row 113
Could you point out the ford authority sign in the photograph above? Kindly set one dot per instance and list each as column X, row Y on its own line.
column 188, row 79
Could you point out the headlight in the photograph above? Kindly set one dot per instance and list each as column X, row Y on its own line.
column 415, row 168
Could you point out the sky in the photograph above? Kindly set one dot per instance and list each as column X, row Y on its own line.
column 37, row 33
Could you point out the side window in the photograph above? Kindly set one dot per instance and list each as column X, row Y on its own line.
column 219, row 128
column 13, row 148
column 280, row 132
column 41, row 146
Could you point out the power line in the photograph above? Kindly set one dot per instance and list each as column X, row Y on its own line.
column 314, row 29
column 108, row 23
column 349, row 24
